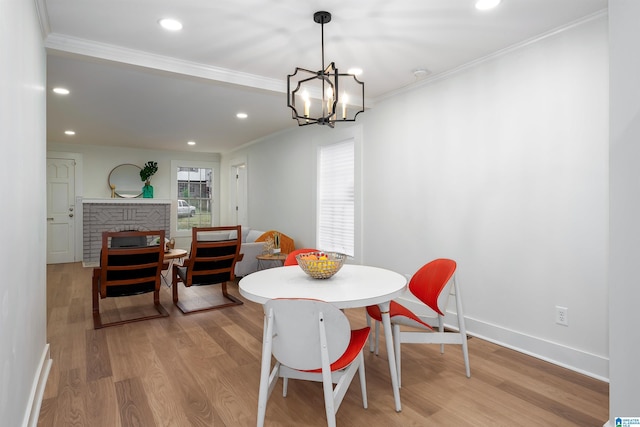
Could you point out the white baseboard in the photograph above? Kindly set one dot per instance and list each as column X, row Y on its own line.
column 37, row 389
column 576, row 360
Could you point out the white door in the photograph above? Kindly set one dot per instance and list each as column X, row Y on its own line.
column 240, row 195
column 60, row 210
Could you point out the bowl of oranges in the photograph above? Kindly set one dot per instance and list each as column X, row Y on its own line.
column 321, row 265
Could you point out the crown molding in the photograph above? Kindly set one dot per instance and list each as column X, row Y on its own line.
column 43, row 18
column 450, row 73
column 83, row 47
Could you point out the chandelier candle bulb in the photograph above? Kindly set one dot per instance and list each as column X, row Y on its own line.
column 345, row 99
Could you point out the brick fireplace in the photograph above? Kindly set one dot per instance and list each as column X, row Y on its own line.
column 101, row 215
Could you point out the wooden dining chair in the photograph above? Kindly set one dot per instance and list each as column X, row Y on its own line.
column 291, row 257
column 431, row 285
column 311, row 340
column 212, row 260
column 128, row 267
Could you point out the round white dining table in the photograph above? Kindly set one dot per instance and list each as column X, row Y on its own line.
column 352, row 287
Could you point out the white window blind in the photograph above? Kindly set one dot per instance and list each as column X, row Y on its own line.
column 336, row 197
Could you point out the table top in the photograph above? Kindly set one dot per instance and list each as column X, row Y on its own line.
column 353, row 286
column 175, row 253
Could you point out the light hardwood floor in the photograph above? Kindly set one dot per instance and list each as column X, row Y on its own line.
column 203, row 370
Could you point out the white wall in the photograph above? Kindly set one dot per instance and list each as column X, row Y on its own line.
column 98, row 161
column 503, row 167
column 624, row 292
column 23, row 328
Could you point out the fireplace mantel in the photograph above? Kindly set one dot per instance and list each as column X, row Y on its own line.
column 128, row 201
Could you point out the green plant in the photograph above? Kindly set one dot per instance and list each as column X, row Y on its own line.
column 149, row 169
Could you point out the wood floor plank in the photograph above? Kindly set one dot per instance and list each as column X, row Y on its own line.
column 197, row 408
column 101, row 402
column 132, row 403
column 97, row 356
column 70, row 404
column 203, row 369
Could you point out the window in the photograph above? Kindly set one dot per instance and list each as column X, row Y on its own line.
column 195, row 196
column 336, row 197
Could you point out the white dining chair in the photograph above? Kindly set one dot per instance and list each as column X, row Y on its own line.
column 431, row 285
column 311, row 340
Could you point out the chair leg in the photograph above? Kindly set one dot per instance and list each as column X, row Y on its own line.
column 363, row 380
column 95, row 298
column 463, row 331
column 370, row 337
column 441, row 329
column 266, row 377
column 374, row 341
column 377, row 334
column 329, row 404
column 186, row 310
column 229, row 296
column 174, row 284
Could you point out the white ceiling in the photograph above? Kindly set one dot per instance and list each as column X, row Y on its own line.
column 134, row 84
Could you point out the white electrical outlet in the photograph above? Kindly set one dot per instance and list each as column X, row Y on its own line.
column 562, row 315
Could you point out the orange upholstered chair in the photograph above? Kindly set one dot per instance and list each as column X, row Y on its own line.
column 286, row 243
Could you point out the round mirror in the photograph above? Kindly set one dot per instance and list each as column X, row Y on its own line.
column 124, row 181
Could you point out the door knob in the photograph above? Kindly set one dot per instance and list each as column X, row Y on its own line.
column 70, row 215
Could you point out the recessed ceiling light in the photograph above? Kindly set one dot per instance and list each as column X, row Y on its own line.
column 61, row 91
column 191, row 143
column 170, row 24
column 69, row 132
column 486, row 4
column 242, row 115
column 354, row 71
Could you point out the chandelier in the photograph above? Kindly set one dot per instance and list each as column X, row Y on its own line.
column 324, row 97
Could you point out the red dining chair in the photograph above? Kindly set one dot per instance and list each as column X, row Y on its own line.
column 431, row 284
column 291, row 258
column 311, row 340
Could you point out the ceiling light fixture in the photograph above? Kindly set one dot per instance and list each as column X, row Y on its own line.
column 191, row 143
column 330, row 89
column 69, row 132
column 170, row 24
column 242, row 115
column 61, row 91
column 421, row 73
column 486, row 4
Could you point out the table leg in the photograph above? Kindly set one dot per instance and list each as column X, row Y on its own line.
column 166, row 277
column 388, row 337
